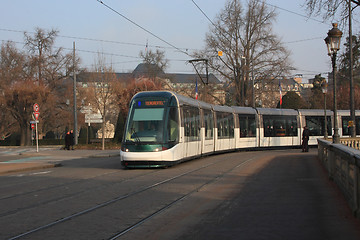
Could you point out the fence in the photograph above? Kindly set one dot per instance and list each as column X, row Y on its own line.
column 351, row 142
column 342, row 163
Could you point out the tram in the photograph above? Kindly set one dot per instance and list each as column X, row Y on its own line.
column 164, row 128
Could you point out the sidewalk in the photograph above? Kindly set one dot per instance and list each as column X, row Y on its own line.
column 18, row 159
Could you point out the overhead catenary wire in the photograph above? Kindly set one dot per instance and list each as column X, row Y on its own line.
column 295, row 13
column 144, row 29
column 274, row 6
column 99, row 40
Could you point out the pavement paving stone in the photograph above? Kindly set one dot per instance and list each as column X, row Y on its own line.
column 19, row 159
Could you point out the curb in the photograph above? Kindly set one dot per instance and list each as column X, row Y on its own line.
column 6, row 168
column 105, row 155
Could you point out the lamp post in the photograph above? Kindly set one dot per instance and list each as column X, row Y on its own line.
column 333, row 45
column 324, row 90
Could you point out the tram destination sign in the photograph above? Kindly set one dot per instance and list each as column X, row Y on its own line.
column 154, row 103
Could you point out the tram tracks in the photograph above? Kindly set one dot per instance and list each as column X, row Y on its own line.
column 67, row 196
column 147, row 218
column 135, row 193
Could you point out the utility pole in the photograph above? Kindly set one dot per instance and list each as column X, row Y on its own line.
column 75, row 113
column 352, row 101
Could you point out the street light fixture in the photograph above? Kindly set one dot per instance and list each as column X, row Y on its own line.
column 333, row 45
column 324, row 89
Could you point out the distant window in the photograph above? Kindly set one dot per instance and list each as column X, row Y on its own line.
column 225, row 125
column 345, row 125
column 247, row 125
column 316, row 125
column 191, row 123
column 209, row 124
column 279, row 126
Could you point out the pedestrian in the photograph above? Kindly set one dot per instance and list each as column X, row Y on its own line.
column 305, row 139
column 72, row 139
column 67, row 141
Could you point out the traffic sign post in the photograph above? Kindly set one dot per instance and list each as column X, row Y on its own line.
column 37, row 137
column 36, row 114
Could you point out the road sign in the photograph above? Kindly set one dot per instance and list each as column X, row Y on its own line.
column 36, row 107
column 93, row 118
column 36, row 114
column 32, row 126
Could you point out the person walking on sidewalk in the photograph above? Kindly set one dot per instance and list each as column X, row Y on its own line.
column 67, row 141
column 72, row 139
column 305, row 139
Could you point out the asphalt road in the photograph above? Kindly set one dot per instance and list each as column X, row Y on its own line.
column 243, row 195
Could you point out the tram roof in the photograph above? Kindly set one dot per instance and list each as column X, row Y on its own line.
column 244, row 110
column 165, row 94
column 186, row 100
column 277, row 111
column 193, row 102
column 347, row 112
column 218, row 108
column 314, row 112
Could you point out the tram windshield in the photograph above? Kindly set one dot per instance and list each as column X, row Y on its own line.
column 151, row 122
column 145, row 125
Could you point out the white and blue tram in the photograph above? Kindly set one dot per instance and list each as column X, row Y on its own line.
column 164, row 128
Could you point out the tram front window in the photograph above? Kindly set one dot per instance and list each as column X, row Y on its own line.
column 146, row 125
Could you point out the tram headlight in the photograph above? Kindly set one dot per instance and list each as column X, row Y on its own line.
column 160, row 149
column 124, row 149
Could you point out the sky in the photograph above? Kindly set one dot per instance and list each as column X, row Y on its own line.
column 163, row 25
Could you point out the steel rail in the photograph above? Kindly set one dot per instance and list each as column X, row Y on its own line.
column 145, row 219
column 106, row 203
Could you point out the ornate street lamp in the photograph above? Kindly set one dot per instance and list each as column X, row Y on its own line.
column 333, row 45
column 324, row 89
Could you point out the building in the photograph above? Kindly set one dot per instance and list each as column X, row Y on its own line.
column 267, row 93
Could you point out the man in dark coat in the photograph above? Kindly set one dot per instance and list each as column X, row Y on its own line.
column 67, row 141
column 72, row 139
column 305, row 138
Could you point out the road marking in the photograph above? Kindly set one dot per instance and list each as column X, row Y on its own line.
column 22, row 160
column 39, row 173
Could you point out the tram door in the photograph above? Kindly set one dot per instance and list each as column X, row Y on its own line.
column 208, row 145
column 192, row 127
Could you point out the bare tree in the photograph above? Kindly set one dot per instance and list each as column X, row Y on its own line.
column 101, row 94
column 51, row 64
column 155, row 63
column 329, row 8
column 250, row 48
column 33, row 76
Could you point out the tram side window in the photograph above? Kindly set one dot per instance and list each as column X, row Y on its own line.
column 209, row 124
column 225, row 125
column 247, row 125
column 173, row 125
column 316, row 125
column 279, row 126
column 191, row 123
column 345, row 125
